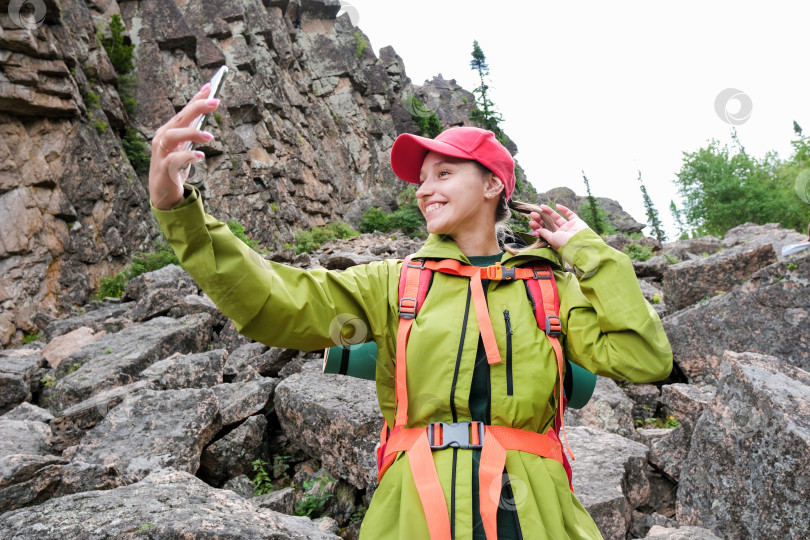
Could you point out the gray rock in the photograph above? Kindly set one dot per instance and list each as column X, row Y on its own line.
column 767, row 315
column 197, row 303
column 27, row 411
column 201, row 370
column 70, row 425
column 18, row 376
column 658, row 532
column 609, row 409
column 171, row 277
column 166, row 504
column 686, row 402
column 23, row 437
column 746, row 472
column 344, row 260
column 157, row 303
column 688, row 282
column 669, row 451
column 27, row 480
column 152, row 430
column 333, row 418
column 642, row 523
column 751, row 234
column 693, row 248
column 282, row 500
column 93, row 319
column 609, row 477
column 241, row 357
column 240, row 400
column 233, row 454
column 118, row 359
column 241, row 485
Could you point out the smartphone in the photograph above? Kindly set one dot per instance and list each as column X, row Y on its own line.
column 217, row 82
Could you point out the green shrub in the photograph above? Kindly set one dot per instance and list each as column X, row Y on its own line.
column 92, row 100
column 672, row 259
column 34, row 336
column 361, row 45
column 238, row 231
column 429, row 124
column 638, row 252
column 135, row 149
column 262, row 484
column 309, row 241
column 100, row 125
column 120, row 54
column 658, row 423
column 312, row 504
column 142, row 262
column 375, row 219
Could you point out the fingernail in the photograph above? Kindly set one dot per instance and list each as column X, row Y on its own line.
column 207, row 136
column 204, row 87
column 199, row 154
column 212, row 102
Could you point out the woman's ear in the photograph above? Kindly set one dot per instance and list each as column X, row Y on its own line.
column 493, row 186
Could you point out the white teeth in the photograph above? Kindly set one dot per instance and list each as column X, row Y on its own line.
column 432, row 207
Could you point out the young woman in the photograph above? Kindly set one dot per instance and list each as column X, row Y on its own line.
column 476, row 354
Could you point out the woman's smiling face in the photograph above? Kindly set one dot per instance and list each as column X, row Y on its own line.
column 452, row 195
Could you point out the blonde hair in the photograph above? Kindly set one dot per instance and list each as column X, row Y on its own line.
column 503, row 214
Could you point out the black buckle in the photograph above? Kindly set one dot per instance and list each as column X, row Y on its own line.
column 553, row 329
column 455, row 435
column 507, row 273
column 421, row 264
column 411, row 310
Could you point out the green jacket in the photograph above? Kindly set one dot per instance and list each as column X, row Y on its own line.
column 609, row 329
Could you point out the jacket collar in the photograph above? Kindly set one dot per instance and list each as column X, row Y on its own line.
column 443, row 247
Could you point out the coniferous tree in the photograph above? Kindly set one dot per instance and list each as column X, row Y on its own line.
column 676, row 214
column 652, row 213
column 485, row 114
column 797, row 129
column 593, row 207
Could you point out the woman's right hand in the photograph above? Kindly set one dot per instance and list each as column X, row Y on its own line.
column 167, row 171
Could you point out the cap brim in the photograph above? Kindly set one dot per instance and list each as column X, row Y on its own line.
column 409, row 152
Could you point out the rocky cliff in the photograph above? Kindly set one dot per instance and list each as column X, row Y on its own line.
column 309, row 115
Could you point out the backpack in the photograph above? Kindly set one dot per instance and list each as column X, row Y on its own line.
column 414, row 282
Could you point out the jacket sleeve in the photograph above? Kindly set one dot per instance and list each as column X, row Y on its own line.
column 275, row 304
column 610, row 327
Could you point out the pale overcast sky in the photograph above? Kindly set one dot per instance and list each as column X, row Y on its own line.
column 613, row 87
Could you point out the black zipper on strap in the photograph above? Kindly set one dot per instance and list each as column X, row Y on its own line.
column 509, row 333
column 458, row 357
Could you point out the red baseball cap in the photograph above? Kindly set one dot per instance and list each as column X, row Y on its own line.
column 473, row 143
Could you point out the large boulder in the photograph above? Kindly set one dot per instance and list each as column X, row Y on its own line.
column 233, row 454
column 166, row 504
column 610, row 478
column 609, row 409
column 689, row 282
column 335, row 419
column 751, row 234
column 18, row 376
column 201, row 370
column 118, row 359
column 746, row 472
column 152, row 430
column 767, row 315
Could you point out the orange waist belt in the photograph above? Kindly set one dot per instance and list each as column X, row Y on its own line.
column 493, row 441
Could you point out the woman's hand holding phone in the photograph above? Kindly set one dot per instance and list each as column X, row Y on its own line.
column 167, row 168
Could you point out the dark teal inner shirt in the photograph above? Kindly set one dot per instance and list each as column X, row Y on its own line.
column 479, row 400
